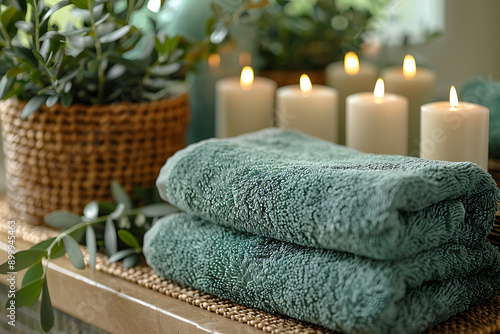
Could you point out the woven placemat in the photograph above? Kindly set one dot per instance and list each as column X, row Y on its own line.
column 484, row 318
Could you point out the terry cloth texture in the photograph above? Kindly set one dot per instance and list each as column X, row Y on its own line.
column 487, row 93
column 295, row 188
column 334, row 289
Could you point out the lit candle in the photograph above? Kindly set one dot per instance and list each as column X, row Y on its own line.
column 418, row 85
column 244, row 105
column 377, row 122
column 454, row 131
column 311, row 109
column 349, row 77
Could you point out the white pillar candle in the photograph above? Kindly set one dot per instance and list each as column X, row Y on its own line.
column 349, row 77
column 311, row 109
column 416, row 84
column 454, row 131
column 244, row 105
column 377, row 122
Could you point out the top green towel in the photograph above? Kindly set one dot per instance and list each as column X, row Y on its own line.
column 295, row 188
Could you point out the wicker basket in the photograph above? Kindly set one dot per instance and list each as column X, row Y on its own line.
column 62, row 158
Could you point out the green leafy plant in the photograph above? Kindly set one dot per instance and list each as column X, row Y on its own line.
column 99, row 57
column 309, row 34
column 114, row 228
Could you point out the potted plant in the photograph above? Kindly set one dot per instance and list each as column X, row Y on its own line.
column 88, row 100
column 303, row 36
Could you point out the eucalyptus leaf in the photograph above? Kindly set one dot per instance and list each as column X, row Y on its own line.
column 5, row 85
column 115, row 35
column 27, row 27
column 166, row 70
column 120, row 195
column 91, row 246
column 33, row 273
column 120, row 208
column 53, row 9
column 121, row 255
column 62, row 219
column 159, row 210
column 27, row 295
column 52, row 101
column 74, row 252
column 91, row 210
column 46, row 310
column 110, row 241
column 57, row 250
column 35, row 103
column 23, row 259
column 128, row 238
column 130, row 261
column 82, row 4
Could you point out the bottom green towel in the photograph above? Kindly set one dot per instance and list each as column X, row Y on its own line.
column 333, row 289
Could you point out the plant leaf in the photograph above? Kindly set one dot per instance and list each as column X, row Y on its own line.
column 159, row 210
column 165, row 70
column 130, row 261
column 91, row 246
column 46, row 310
column 110, row 242
column 118, row 211
column 5, row 85
column 82, row 4
column 74, row 252
column 120, row 195
column 35, row 103
column 91, row 210
column 57, row 250
column 33, row 273
column 62, row 219
column 115, row 35
column 128, row 238
column 23, row 259
column 27, row 295
column 53, row 9
column 52, row 100
column 121, row 254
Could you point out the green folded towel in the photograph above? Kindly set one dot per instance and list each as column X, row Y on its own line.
column 337, row 290
column 295, row 188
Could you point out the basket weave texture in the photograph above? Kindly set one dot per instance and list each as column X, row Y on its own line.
column 62, row 158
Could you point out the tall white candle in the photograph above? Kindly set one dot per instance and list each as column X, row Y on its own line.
column 244, row 105
column 349, row 77
column 377, row 122
column 311, row 109
column 416, row 84
column 454, row 131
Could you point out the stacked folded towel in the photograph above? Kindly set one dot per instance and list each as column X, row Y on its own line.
column 350, row 241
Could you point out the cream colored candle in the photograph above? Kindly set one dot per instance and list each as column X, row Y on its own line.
column 454, row 131
column 311, row 109
column 416, row 84
column 377, row 122
column 244, row 105
column 349, row 77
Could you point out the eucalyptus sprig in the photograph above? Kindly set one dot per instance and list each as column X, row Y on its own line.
column 99, row 225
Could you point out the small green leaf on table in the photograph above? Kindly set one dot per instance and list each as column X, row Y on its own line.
column 74, row 252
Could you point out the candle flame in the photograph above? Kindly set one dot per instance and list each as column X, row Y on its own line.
column 305, row 83
column 453, row 98
column 246, row 79
column 379, row 88
column 351, row 63
column 409, row 67
column 245, row 59
column 214, row 60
